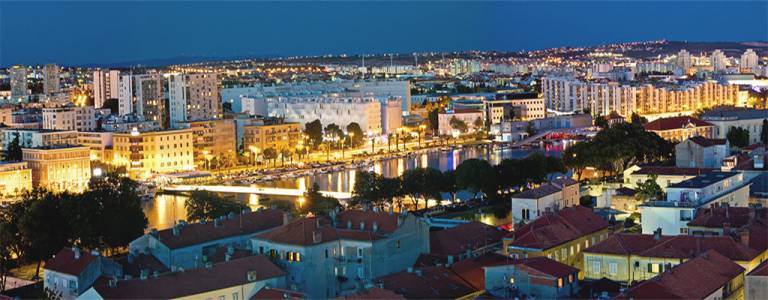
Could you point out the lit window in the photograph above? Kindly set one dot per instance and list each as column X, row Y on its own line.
column 559, row 282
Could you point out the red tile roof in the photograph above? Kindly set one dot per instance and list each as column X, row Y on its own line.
column 680, row 246
column 552, row 229
column 65, row 261
column 196, row 233
column 696, row 278
column 548, row 266
column 674, row 123
column 427, row 283
column 705, row 142
column 539, row 192
column 192, row 282
column 716, row 217
column 273, row 293
column 301, row 231
column 459, row 239
column 374, row 293
column 760, row 270
column 471, row 270
column 133, row 266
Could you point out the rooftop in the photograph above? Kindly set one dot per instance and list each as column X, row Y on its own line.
column 705, row 142
column 674, row 123
column 679, row 246
column 460, row 239
column 703, row 180
column 760, row 270
column 715, row 217
column 66, row 262
column 539, row 192
column 273, row 293
column 317, row 230
column 196, row 233
column 427, row 283
column 374, row 293
column 672, row 171
column 735, row 114
column 552, row 229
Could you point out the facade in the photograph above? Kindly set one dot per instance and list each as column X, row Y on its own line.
column 142, row 95
column 193, row 97
column 684, row 60
column 560, row 236
column 749, row 60
column 531, row 204
column 190, row 246
column 538, row 277
column 680, row 128
column 15, row 178
column 59, row 168
column 328, row 257
column 77, row 118
column 468, row 116
column 278, row 136
column 513, row 106
column 700, row 152
column 100, row 143
column 749, row 119
column 391, row 115
column 51, row 83
column 34, row 138
column 106, row 84
column 147, row 153
column 72, row 271
column 665, row 176
column 718, row 60
column 756, row 283
column 685, row 198
column 215, row 142
column 18, row 81
column 340, row 109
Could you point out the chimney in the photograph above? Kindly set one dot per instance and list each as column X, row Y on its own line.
column 349, row 224
column 317, row 236
column 317, row 222
column 657, row 234
column 417, row 272
column 726, row 228
column 362, row 225
column 227, row 257
column 286, row 217
column 744, row 237
column 76, row 252
column 410, row 269
column 375, row 226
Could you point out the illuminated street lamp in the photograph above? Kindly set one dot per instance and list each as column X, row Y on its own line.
column 421, row 129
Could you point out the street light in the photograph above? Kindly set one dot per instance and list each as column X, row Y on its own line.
column 421, row 129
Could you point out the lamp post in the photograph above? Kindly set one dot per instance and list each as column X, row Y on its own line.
column 371, row 136
column 421, row 129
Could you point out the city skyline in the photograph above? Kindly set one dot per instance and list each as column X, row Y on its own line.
column 138, row 31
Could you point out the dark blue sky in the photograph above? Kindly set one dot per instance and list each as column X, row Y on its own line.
column 91, row 32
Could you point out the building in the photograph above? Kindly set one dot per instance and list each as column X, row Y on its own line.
column 19, row 81
column 700, row 152
column 434, row 282
column 77, row 118
column 275, row 135
column 464, row 241
column 15, row 178
column 560, row 236
column 469, row 117
column 72, row 271
column 665, row 176
column 530, row 204
column 536, row 277
column 51, row 79
column 193, row 97
column 236, row 279
column 59, row 168
column 215, row 142
column 100, row 143
column 623, row 199
column 686, row 197
column 680, row 128
column 749, row 119
column 338, row 255
column 128, row 123
column 729, row 220
column 35, row 138
column 341, row 109
column 391, row 115
column 684, row 60
column 718, row 60
column 707, row 276
column 106, row 84
column 154, row 152
column 749, row 60
column 631, row 258
column 191, row 245
column 143, row 95
column 756, row 283
column 515, row 107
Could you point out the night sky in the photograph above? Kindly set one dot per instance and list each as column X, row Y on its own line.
column 74, row 33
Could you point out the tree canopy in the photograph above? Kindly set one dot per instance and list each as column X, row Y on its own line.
column 207, row 206
column 318, row 204
column 738, row 137
column 314, row 131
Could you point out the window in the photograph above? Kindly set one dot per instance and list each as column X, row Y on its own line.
column 397, row 244
column 654, row 268
column 559, row 283
column 222, row 297
column 72, row 284
column 570, row 278
column 359, row 252
column 612, row 268
column 360, row 272
column 683, row 230
column 596, row 267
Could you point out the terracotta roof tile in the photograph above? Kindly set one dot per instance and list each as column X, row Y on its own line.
column 705, row 142
column 680, row 246
column 541, row 191
column 65, row 261
column 552, row 229
column 674, row 123
column 427, row 283
column 273, row 293
column 760, row 270
column 374, row 293
column 301, row 231
column 459, row 239
column 660, row 170
column 196, row 233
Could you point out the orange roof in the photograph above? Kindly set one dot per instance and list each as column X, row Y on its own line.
column 680, row 246
column 65, row 261
column 459, row 239
column 552, row 229
column 195, row 233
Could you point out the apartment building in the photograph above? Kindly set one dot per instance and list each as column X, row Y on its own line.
column 154, row 152
column 468, row 116
column 100, row 143
column 34, row 138
column 18, row 76
column 77, row 118
column 700, row 152
column 193, row 97
column 59, row 168
column 51, row 82
column 106, row 84
column 275, row 135
column 15, row 178
column 143, row 95
column 215, row 142
column 340, row 109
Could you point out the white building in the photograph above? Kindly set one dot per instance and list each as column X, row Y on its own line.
column 749, row 60
column 105, row 86
column 339, row 109
column 50, row 79
column 685, row 198
column 718, row 60
column 70, row 118
column 18, row 81
column 531, row 204
column 468, row 116
column 701, row 152
column 193, row 97
column 749, row 119
column 391, row 115
column 684, row 60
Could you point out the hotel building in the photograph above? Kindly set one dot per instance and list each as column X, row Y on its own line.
column 147, row 153
column 59, row 168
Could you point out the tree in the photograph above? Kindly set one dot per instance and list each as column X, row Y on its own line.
column 601, row 122
column 530, row 128
column 421, row 183
column 14, row 152
column 738, row 137
column 335, row 131
column 649, row 189
column 638, row 120
column 318, row 204
column 764, row 132
column 392, row 190
column 44, row 228
column 270, row 154
column 476, row 176
column 432, row 119
column 448, row 184
column 314, row 131
column 587, row 201
column 458, row 125
column 285, row 152
column 368, row 189
column 207, row 206
column 356, row 134
column 478, row 124
column 122, row 219
column 6, row 255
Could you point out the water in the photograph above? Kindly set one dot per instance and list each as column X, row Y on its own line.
column 166, row 208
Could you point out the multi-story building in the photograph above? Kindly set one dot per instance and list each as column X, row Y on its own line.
column 718, row 60
column 577, row 228
column 215, row 142
column 18, row 81
column 193, row 97
column 51, row 79
column 685, row 198
column 154, row 152
column 127, row 123
column 514, row 106
column 100, row 143
column 684, row 60
column 391, row 115
column 749, row 60
column 6, row 116
column 143, row 95
column 665, row 176
column 78, row 118
column 756, row 283
column 468, row 116
column 15, row 178
column 331, row 256
column 72, row 271
column 106, row 84
column 749, row 119
column 339, row 109
column 531, row 204
column 59, row 168
column 700, row 152
column 34, row 138
column 275, row 135
column 678, row 129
